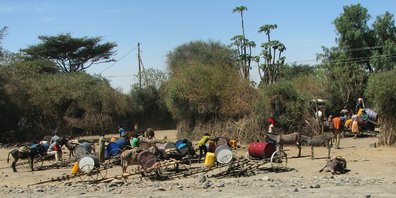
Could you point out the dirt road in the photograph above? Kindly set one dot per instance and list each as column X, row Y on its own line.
column 372, row 174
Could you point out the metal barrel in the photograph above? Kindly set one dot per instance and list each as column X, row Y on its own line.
column 261, row 149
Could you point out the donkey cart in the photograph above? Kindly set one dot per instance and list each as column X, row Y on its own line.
column 90, row 169
column 265, row 152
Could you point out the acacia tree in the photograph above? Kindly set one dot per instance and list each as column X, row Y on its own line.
column 72, row 54
column 272, row 54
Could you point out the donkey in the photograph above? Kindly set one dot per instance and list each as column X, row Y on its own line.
column 26, row 152
column 288, row 139
column 129, row 157
column 336, row 165
column 324, row 139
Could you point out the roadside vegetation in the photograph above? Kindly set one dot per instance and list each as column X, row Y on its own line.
column 208, row 86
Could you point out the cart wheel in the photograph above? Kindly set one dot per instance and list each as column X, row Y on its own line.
column 101, row 172
column 149, row 164
column 186, row 162
column 38, row 162
column 50, row 159
column 92, row 175
column 278, row 160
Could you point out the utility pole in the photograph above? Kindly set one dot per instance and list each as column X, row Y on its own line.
column 140, row 70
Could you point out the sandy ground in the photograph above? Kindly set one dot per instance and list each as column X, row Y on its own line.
column 372, row 174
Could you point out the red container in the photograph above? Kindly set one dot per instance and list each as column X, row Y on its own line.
column 261, row 149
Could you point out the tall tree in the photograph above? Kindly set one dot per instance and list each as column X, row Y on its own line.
column 72, row 54
column 272, row 54
column 354, row 35
column 360, row 52
column 244, row 46
column 383, row 57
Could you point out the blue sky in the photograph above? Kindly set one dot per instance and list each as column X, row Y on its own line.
column 162, row 25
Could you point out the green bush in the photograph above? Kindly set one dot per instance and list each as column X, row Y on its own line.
column 148, row 108
column 203, row 94
column 282, row 102
column 381, row 91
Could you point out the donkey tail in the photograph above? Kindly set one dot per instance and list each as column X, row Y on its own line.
column 322, row 169
column 8, row 157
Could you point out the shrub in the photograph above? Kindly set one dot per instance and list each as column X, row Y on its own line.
column 381, row 91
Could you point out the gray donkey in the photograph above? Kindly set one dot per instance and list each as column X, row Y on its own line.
column 285, row 139
column 335, row 165
column 324, row 139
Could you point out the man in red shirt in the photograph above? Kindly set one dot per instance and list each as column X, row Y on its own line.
column 337, row 130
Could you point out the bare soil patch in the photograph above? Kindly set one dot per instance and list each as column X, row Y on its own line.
column 372, row 173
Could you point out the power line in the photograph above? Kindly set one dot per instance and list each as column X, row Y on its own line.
column 116, row 76
column 362, row 48
column 119, row 59
column 345, row 50
column 352, row 60
column 361, row 59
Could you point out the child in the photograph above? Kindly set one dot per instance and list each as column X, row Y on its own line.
column 202, row 146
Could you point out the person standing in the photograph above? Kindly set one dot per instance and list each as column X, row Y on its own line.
column 202, row 146
column 54, row 138
column 359, row 105
column 271, row 122
column 121, row 131
column 337, row 130
column 135, row 141
column 102, row 142
column 355, row 125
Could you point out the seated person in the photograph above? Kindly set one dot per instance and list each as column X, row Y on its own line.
column 55, row 148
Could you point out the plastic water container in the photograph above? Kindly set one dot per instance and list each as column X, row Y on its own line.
column 261, row 149
column 233, row 144
column 75, row 168
column 115, row 148
column 87, row 146
column 373, row 116
column 113, row 139
column 122, row 142
column 210, row 159
column 223, row 141
column 224, row 154
column 87, row 163
column 178, row 142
